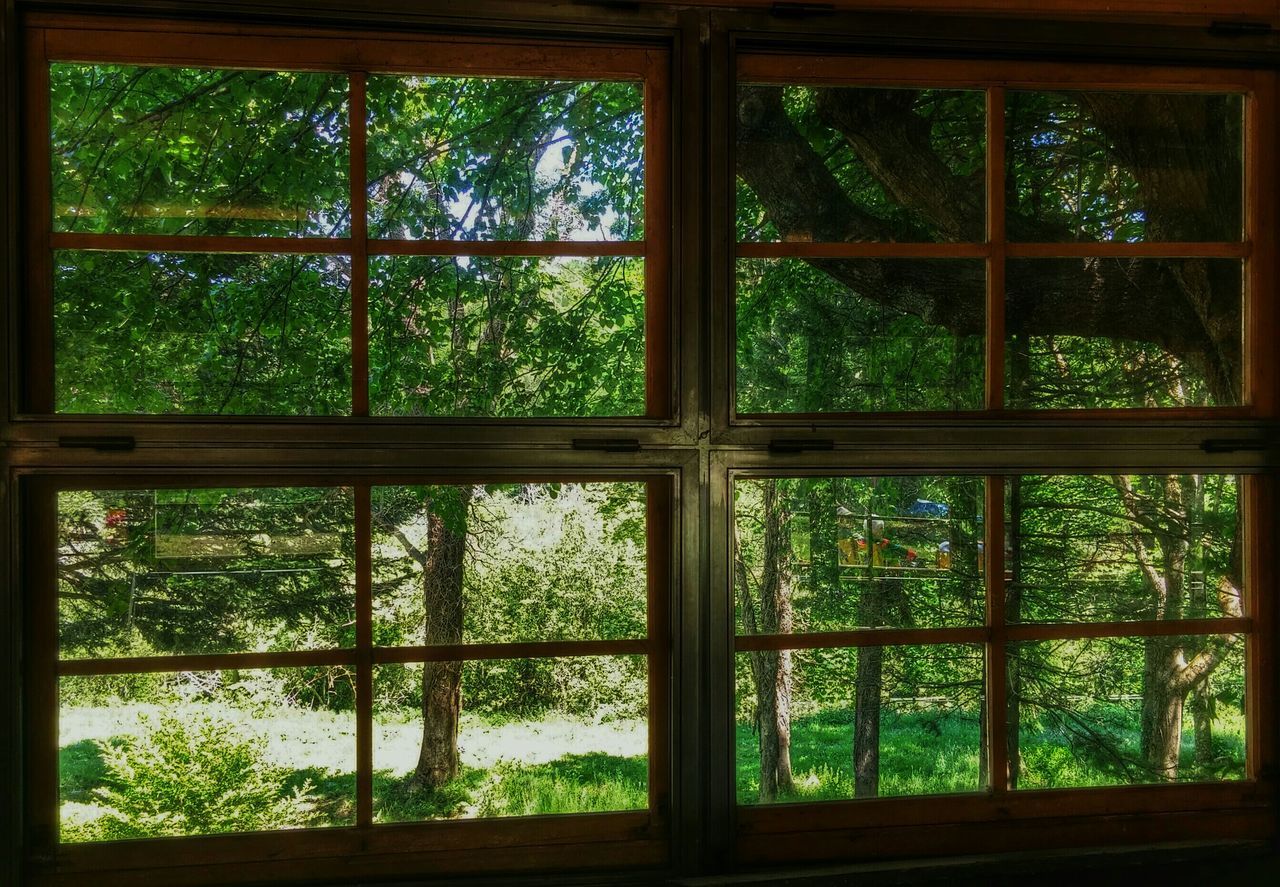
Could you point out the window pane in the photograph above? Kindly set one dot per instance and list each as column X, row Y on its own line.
column 858, row 723
column 1097, row 333
column 837, row 164
column 1124, row 166
column 191, row 151
column 465, row 158
column 1123, row 547
column 204, row 753
column 529, row 737
column 859, row 335
column 507, row 337
column 838, row 553
column 1123, row 711
column 190, row 333
column 151, row 572
column 509, row 562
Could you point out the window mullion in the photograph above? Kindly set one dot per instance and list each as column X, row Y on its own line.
column 996, row 243
column 357, row 136
column 996, row 689
column 364, row 654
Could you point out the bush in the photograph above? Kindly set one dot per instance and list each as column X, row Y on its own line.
column 196, row 776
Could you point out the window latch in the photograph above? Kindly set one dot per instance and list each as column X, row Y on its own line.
column 106, row 443
column 1229, row 445
column 607, row 444
column 792, row 445
column 1239, row 28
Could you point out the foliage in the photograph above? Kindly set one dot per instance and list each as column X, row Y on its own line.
column 183, row 776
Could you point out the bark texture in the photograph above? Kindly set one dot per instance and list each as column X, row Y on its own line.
column 442, row 576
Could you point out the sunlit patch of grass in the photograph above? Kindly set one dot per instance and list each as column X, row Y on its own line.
column 920, row 753
column 924, row 753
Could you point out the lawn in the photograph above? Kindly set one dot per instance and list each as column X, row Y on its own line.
column 509, row 768
column 936, row 752
column 558, row 764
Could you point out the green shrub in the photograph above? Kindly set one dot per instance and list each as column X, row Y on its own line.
column 195, row 776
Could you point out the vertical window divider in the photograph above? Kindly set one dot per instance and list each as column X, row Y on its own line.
column 1260, row 234
column 659, row 295
column 357, row 138
column 38, row 222
column 996, row 689
column 996, row 238
column 658, row 522
column 364, row 655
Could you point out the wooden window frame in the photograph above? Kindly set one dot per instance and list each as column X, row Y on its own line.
column 636, row 838
column 994, row 78
column 996, row 817
column 53, row 39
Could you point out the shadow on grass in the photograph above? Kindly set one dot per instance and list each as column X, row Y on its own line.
column 587, row 783
column 920, row 753
column 81, row 769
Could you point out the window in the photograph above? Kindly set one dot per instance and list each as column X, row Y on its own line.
column 649, row 443
column 994, row 241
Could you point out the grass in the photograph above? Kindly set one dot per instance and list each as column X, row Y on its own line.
column 936, row 752
column 559, row 764
column 545, row 765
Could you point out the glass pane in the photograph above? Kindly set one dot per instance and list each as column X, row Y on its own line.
column 193, row 151
column 529, row 737
column 507, row 337
column 1123, row 547
column 465, row 158
column 839, row 553
column 205, row 753
column 1098, row 333
column 509, row 562
column 859, row 335
column 219, row 333
column 153, row 572
column 1124, row 166
column 1123, row 711
column 837, row 164
column 832, row 724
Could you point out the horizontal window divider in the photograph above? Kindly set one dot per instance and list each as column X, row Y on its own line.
column 982, row 807
column 828, row 69
column 549, row 248
column 374, row 52
column 864, row 637
column 990, row 416
column 1146, row 628
column 792, row 249
column 514, row 650
column 1107, row 249
column 199, row 243
column 207, row 662
column 440, row 836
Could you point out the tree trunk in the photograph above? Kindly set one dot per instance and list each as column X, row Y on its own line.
column 1162, row 701
column 866, row 723
column 442, row 681
column 1202, row 717
column 776, row 617
column 771, row 670
column 869, row 682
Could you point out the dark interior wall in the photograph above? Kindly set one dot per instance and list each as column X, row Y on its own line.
column 1241, row 36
